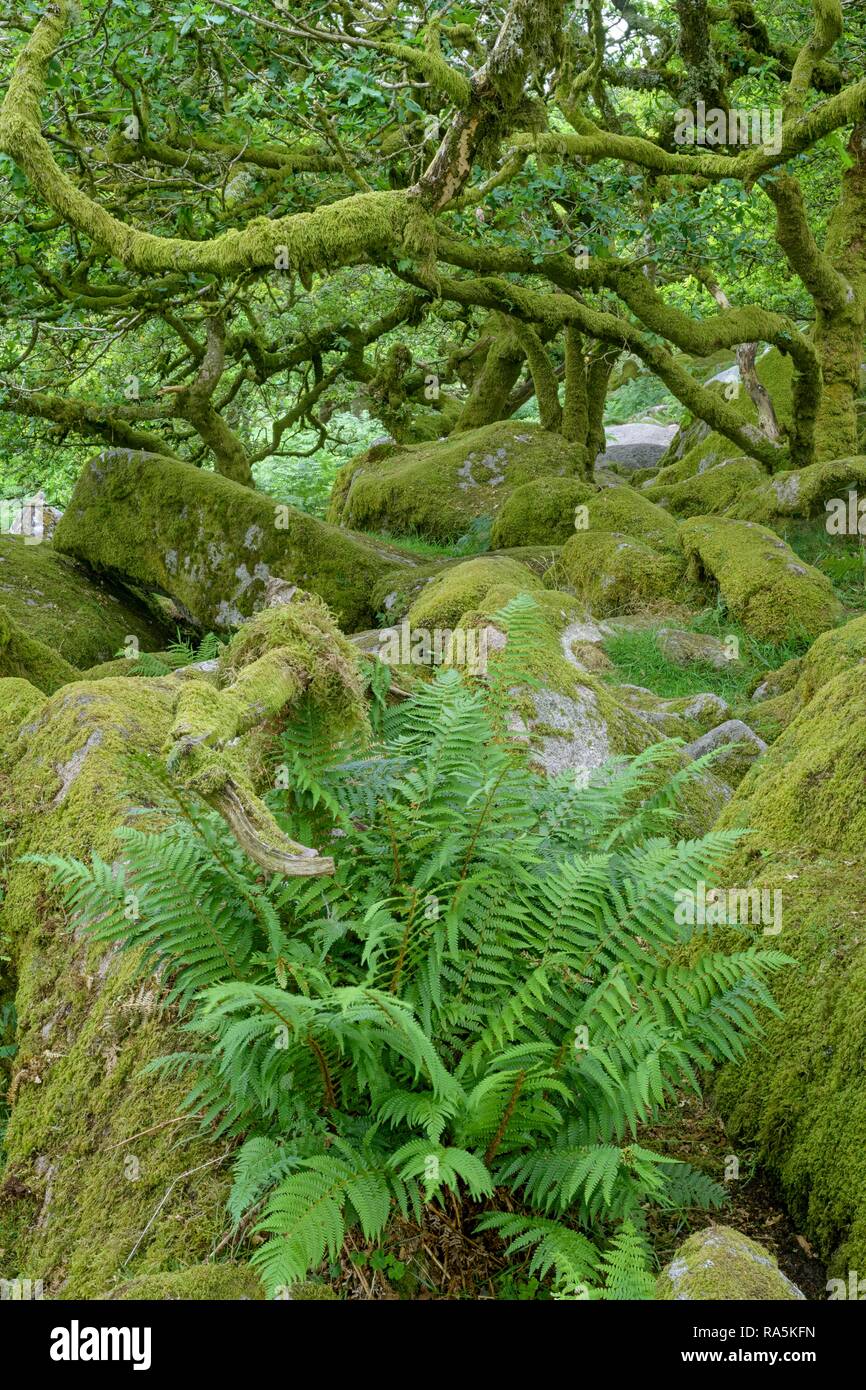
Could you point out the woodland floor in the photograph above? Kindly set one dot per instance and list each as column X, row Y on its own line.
column 441, row 1259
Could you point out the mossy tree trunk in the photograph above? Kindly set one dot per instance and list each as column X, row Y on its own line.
column 840, row 327
column 490, row 391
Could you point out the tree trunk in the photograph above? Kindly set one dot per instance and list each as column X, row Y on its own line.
column 488, row 398
column 840, row 332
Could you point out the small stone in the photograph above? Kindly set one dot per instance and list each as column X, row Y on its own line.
column 721, row 1263
column 683, row 648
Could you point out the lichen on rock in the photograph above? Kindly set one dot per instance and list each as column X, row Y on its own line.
column 438, row 490
column 211, row 544
column 721, row 1263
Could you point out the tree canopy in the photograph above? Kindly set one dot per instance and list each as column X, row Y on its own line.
column 223, row 223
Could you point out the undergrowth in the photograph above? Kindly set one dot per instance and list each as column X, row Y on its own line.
column 638, row 659
column 479, row 1007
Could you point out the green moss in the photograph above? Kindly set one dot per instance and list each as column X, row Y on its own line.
column 287, row 650
column 310, row 1292
column 712, row 490
column 763, row 584
column 83, row 619
column 630, row 513
column 81, row 1112
column 539, row 512
column 695, row 449
column 615, row 573
column 560, row 608
column 26, row 657
column 800, row 1098
column 204, row 714
column 146, row 665
column 212, row 1283
column 833, row 652
column 802, row 492
column 210, row 543
column 813, row 771
column 438, row 490
column 447, row 597
column 791, row 688
column 537, row 558
column 19, row 699
column 721, row 1263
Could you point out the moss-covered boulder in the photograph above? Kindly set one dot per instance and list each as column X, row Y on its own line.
column 573, row 721
column 680, row 716
column 393, row 595
column 29, row 659
column 444, row 600
column 628, row 512
column 108, row 1178
column 616, row 573
column 86, row 1026
column 438, row 490
column 720, row 1263
column 764, row 585
column 799, row 1097
column 802, row 492
column 785, row 692
column 540, row 512
column 82, row 618
column 19, row 699
column 810, row 788
column 211, row 544
column 713, row 490
column 737, row 747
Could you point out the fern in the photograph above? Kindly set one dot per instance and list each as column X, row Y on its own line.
column 488, row 995
column 625, row 1267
